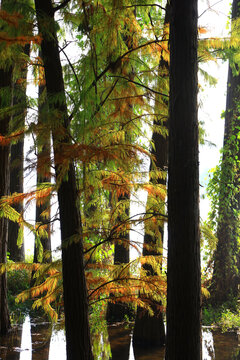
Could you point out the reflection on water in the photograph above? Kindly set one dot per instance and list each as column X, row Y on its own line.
column 26, row 343
column 38, row 341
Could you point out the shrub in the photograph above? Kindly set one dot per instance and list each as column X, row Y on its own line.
column 18, row 280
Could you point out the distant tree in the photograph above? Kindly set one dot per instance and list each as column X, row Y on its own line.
column 183, row 271
column 149, row 329
column 16, row 251
column 118, row 311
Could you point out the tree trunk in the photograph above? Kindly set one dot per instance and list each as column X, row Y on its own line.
column 5, row 101
column 118, row 311
column 74, row 283
column 149, row 330
column 16, row 164
column 43, row 176
column 183, row 272
column 225, row 278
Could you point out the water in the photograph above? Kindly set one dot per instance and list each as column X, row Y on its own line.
column 38, row 341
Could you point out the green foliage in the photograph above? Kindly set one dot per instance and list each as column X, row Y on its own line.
column 210, row 315
column 222, row 315
column 229, row 320
column 18, row 281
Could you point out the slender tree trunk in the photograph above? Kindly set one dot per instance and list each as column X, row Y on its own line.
column 118, row 311
column 225, row 278
column 74, row 283
column 42, row 245
column 43, row 176
column 5, row 101
column 16, row 165
column 183, row 272
column 149, row 330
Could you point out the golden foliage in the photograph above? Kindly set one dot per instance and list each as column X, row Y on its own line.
column 14, row 136
column 21, row 40
column 11, row 19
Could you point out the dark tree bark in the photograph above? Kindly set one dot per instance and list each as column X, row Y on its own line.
column 74, row 283
column 183, row 272
column 225, row 278
column 16, row 163
column 149, row 330
column 5, row 101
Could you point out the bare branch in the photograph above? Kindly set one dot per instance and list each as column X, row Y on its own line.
column 113, row 64
column 62, row 5
column 139, row 84
column 129, row 6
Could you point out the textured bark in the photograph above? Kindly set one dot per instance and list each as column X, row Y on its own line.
column 225, row 278
column 5, row 100
column 74, row 283
column 16, row 164
column 183, row 272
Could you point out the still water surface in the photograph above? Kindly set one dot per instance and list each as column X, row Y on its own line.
column 40, row 342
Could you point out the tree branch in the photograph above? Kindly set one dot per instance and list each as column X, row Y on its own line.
column 136, row 83
column 134, row 5
column 62, row 5
column 113, row 64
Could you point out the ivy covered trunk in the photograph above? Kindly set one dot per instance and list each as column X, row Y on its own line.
column 74, row 283
column 183, row 271
column 225, row 278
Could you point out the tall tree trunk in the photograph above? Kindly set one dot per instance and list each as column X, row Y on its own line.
column 16, row 165
column 149, row 330
column 183, row 272
column 74, row 283
column 43, row 176
column 5, row 102
column 225, row 278
column 42, row 244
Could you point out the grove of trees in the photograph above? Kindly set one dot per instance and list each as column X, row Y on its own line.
column 117, row 89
